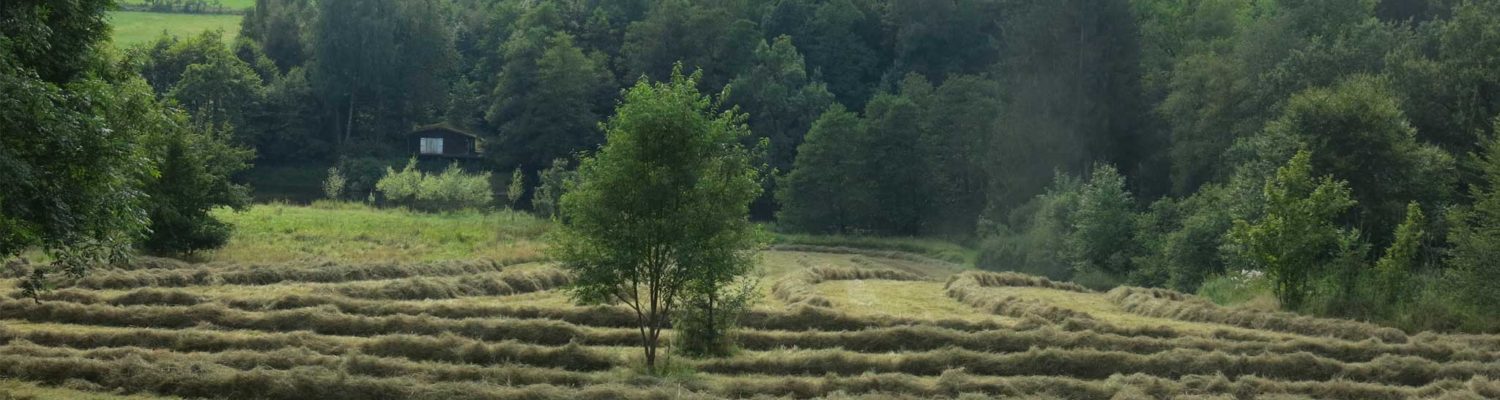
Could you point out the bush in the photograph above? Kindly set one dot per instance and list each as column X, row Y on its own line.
column 1299, row 234
column 333, row 187
column 453, row 189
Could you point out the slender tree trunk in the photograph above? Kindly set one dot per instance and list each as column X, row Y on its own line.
column 349, row 124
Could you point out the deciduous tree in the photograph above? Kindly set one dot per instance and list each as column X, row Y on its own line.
column 660, row 211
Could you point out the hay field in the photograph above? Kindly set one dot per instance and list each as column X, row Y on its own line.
column 346, row 302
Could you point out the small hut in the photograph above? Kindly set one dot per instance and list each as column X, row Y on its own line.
column 443, row 140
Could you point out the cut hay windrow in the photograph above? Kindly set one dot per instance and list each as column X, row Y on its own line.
column 504, row 283
column 927, row 338
column 446, row 348
column 798, row 287
column 169, row 372
column 795, row 319
column 971, row 288
column 876, row 253
column 1012, row 279
column 1096, row 364
column 327, row 322
column 1162, row 303
column 876, row 340
column 193, row 376
column 956, row 382
column 234, row 274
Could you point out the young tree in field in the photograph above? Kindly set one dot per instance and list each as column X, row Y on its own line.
column 517, row 188
column 660, row 212
column 1298, row 234
column 549, row 191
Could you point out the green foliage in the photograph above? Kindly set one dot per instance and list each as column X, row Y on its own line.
column 707, row 318
column 1034, row 239
column 516, row 188
column 333, row 186
column 195, row 165
column 1079, row 229
column 1358, row 134
column 1298, row 235
column 659, row 213
column 218, row 90
column 1402, row 260
column 455, row 189
column 959, row 120
column 549, row 99
column 701, row 36
column 1475, row 242
column 451, row 190
column 1103, row 224
column 401, row 187
column 820, row 194
column 381, row 64
column 278, row 27
column 554, row 183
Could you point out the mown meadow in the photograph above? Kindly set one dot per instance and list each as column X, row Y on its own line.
column 341, row 301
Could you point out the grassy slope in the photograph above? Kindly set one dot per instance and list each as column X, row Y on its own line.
column 131, row 27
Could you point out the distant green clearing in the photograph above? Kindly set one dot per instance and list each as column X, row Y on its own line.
column 137, row 27
column 227, row 4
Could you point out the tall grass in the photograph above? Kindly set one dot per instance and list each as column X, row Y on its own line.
column 347, row 232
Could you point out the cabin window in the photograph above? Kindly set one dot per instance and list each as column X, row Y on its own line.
column 432, row 145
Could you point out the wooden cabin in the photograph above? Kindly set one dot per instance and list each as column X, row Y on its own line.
column 443, row 140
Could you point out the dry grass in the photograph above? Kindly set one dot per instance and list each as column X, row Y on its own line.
column 1170, row 304
column 797, row 288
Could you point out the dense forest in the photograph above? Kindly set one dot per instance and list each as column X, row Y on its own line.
column 1341, row 152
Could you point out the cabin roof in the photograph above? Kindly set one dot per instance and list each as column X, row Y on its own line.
column 441, row 126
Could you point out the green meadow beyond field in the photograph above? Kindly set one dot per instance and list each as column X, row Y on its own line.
column 340, row 301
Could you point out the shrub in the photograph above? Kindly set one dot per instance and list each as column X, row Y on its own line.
column 452, row 189
column 401, row 187
column 333, row 186
column 1298, row 234
column 554, row 181
column 455, row 190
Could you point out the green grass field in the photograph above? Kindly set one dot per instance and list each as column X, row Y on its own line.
column 344, row 301
column 132, row 27
column 236, row 5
